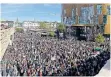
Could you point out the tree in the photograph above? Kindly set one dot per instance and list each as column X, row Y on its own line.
column 49, row 28
column 100, row 38
column 19, row 30
column 51, row 33
column 61, row 27
column 43, row 25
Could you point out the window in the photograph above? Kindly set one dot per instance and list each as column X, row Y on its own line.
column 90, row 14
column 84, row 15
column 64, row 12
column 104, row 19
column 69, row 20
column 99, row 9
column 73, row 17
column 65, row 18
column 108, row 10
column 91, row 10
column 80, row 20
column 95, row 19
column 73, row 20
column 102, row 28
column 73, row 13
column 76, row 12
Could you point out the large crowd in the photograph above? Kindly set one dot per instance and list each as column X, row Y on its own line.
column 33, row 55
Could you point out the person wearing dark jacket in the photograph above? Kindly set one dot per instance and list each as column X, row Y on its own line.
column 22, row 72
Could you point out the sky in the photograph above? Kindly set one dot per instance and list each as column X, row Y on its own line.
column 29, row 12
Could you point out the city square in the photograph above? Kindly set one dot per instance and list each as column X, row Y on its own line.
column 77, row 45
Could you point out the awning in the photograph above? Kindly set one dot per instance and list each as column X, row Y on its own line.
column 82, row 25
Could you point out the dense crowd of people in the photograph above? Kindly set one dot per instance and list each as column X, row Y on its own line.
column 32, row 55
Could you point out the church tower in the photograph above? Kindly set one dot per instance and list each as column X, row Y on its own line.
column 17, row 22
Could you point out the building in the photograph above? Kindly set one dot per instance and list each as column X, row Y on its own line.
column 55, row 24
column 6, row 33
column 30, row 24
column 107, row 12
column 6, row 24
column 5, row 39
column 3, row 26
column 52, row 25
column 17, row 23
column 86, row 18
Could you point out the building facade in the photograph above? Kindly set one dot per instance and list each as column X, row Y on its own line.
column 6, row 24
column 5, row 39
column 52, row 25
column 30, row 24
column 90, row 18
column 17, row 23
